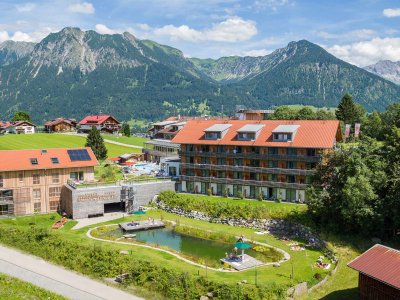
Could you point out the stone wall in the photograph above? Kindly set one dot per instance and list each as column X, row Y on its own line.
column 277, row 227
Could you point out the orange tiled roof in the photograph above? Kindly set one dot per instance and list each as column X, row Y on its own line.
column 18, row 160
column 311, row 133
column 96, row 119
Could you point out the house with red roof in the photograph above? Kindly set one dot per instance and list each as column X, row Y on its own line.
column 60, row 125
column 104, row 123
column 379, row 273
column 19, row 127
column 272, row 159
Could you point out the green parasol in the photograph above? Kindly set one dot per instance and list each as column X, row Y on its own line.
column 242, row 245
column 139, row 212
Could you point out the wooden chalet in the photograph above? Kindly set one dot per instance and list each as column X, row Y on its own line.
column 60, row 125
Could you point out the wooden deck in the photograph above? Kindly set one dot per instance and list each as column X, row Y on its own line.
column 141, row 225
column 247, row 263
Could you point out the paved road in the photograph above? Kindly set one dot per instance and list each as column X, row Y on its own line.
column 57, row 279
column 106, row 140
column 91, row 221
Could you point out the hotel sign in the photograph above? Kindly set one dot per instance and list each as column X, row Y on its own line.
column 99, row 196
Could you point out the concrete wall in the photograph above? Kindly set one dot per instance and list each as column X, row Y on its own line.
column 145, row 192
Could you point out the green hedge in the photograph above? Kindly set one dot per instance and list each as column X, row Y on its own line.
column 102, row 263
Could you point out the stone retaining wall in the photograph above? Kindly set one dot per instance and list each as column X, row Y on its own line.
column 277, row 227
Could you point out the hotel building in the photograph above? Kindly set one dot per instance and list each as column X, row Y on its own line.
column 31, row 180
column 268, row 158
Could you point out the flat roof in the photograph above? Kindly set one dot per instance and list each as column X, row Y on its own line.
column 218, row 128
column 251, row 128
column 285, row 128
column 161, row 142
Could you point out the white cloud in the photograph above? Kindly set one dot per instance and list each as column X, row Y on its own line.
column 83, row 8
column 103, row 29
column 4, row 36
column 20, row 36
column 233, row 29
column 368, row 52
column 258, row 52
column 26, row 7
column 391, row 12
column 260, row 5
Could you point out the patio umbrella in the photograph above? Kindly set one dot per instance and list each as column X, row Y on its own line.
column 242, row 245
column 139, row 212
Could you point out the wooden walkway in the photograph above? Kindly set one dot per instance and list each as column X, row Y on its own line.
column 247, row 263
column 141, row 225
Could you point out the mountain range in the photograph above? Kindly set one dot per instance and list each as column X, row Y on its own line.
column 386, row 69
column 72, row 73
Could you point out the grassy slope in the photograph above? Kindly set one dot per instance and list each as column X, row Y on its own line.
column 12, row 288
column 133, row 140
column 302, row 260
column 44, row 140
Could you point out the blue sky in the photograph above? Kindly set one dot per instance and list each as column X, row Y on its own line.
column 361, row 32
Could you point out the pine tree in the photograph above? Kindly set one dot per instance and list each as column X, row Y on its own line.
column 126, row 130
column 96, row 142
column 350, row 112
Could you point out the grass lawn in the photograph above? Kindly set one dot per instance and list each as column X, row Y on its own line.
column 12, row 289
column 302, row 262
column 132, row 140
column 45, row 140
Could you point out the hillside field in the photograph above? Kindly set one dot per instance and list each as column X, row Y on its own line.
column 45, row 140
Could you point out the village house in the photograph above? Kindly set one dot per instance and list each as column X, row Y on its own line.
column 60, row 125
column 379, row 275
column 19, row 127
column 104, row 123
column 31, row 180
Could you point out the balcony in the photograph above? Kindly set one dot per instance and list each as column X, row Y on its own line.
column 279, row 171
column 158, row 153
column 276, row 184
column 252, row 155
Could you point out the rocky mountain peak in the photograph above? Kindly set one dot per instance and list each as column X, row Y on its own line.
column 386, row 69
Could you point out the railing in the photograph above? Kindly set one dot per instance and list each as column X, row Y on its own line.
column 249, row 169
column 253, row 155
column 158, row 153
column 91, row 184
column 277, row 184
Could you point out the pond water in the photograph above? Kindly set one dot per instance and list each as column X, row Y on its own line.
column 207, row 251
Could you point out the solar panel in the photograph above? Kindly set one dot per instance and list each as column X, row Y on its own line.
column 78, row 155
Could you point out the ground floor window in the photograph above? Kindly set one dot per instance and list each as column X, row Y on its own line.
column 291, row 195
column 37, row 207
column 4, row 210
column 54, row 205
column 55, row 191
column 172, row 171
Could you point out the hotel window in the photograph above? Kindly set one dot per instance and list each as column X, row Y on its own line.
column 291, row 165
column 221, row 161
column 36, row 193
column 272, row 164
column 1, row 181
column 54, row 205
column 54, row 192
column 310, row 152
column 55, row 178
column 292, row 151
column 290, row 179
column 36, row 178
column 272, row 151
column 37, row 207
column 21, row 177
column 272, row 177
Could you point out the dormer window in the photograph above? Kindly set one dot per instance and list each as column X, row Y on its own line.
column 284, row 133
column 249, row 132
column 216, row 132
column 54, row 160
column 34, row 161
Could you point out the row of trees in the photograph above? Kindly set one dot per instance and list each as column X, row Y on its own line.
column 357, row 189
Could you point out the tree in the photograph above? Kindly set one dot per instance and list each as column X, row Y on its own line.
column 323, row 114
column 346, row 190
column 284, row 113
column 21, row 116
column 305, row 113
column 126, row 130
column 348, row 111
column 373, row 126
column 96, row 142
